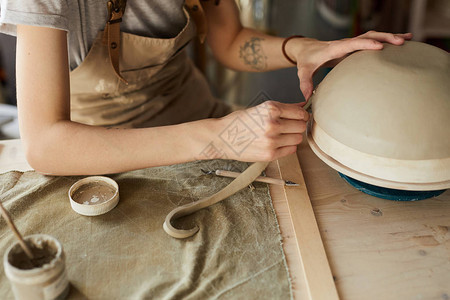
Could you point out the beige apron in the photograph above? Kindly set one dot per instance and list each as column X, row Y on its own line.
column 164, row 87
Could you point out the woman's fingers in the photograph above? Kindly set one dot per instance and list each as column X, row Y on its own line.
column 406, row 36
column 306, row 83
column 341, row 48
column 291, row 139
column 287, row 111
column 371, row 40
column 283, row 151
column 396, row 39
column 292, row 126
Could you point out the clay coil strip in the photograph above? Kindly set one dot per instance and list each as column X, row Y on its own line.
column 243, row 180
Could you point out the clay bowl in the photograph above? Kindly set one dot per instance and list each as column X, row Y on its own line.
column 383, row 117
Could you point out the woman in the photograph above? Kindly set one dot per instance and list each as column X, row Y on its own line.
column 155, row 84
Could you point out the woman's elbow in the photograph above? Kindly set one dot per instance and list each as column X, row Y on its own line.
column 38, row 155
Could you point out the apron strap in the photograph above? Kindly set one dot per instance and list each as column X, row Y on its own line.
column 197, row 13
column 111, row 35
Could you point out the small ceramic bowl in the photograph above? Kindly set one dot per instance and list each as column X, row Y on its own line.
column 93, row 196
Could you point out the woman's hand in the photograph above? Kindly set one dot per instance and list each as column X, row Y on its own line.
column 311, row 54
column 261, row 133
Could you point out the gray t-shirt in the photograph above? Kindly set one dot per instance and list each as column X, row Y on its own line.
column 83, row 19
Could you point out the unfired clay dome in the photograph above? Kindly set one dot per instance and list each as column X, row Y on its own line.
column 383, row 117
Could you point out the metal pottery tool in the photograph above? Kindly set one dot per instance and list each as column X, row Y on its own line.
column 13, row 227
column 231, row 174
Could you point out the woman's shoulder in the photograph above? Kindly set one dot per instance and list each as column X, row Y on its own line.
column 47, row 13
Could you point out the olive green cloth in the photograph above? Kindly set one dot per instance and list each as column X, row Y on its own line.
column 125, row 253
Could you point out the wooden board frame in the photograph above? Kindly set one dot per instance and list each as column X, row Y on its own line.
column 308, row 264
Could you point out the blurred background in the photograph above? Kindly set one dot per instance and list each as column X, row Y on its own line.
column 428, row 20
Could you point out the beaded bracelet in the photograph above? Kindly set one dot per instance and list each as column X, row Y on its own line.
column 283, row 47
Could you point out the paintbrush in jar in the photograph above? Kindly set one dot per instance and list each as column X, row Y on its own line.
column 13, row 227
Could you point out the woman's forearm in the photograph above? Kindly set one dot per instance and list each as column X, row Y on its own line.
column 240, row 48
column 262, row 133
column 68, row 148
column 253, row 51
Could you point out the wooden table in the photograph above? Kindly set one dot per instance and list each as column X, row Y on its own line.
column 377, row 249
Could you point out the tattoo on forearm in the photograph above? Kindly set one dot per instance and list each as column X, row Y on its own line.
column 252, row 54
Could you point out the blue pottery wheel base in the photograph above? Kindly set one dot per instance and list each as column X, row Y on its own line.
column 390, row 194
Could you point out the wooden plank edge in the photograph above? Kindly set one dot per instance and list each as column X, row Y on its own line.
column 316, row 268
column 289, row 241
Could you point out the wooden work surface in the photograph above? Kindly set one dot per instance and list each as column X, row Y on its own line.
column 377, row 249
